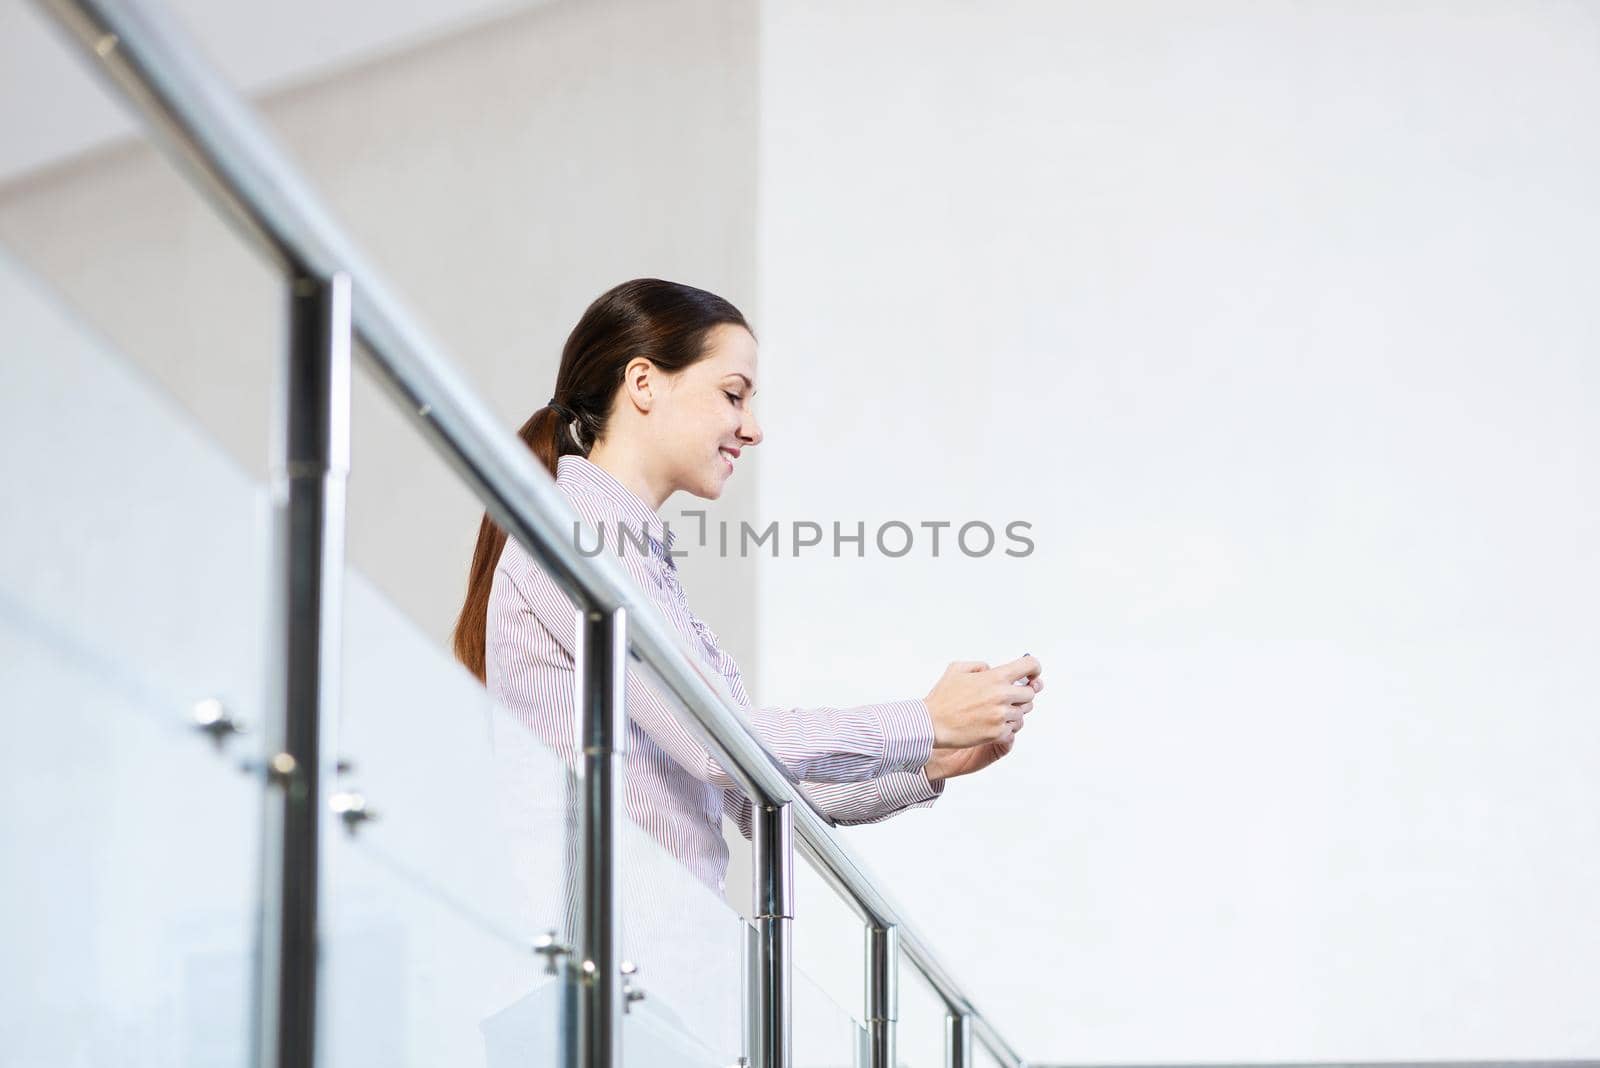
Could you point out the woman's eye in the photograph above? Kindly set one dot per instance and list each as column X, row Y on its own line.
column 731, row 396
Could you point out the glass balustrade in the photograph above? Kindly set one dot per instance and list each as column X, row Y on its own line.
column 919, row 1033
column 689, row 948
column 448, row 865
column 134, row 576
column 133, row 563
column 825, row 1035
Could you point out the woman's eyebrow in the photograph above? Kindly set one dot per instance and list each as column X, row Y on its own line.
column 747, row 383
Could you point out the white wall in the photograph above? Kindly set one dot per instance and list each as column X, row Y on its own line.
column 1278, row 322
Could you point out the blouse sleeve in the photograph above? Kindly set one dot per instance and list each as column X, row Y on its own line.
column 854, row 803
column 823, row 744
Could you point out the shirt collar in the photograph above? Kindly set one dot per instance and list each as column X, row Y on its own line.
column 580, row 474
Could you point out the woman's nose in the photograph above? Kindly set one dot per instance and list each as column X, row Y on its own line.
column 750, row 432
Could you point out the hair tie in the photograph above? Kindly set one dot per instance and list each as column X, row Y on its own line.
column 572, row 421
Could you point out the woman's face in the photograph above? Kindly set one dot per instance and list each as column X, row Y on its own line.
column 710, row 418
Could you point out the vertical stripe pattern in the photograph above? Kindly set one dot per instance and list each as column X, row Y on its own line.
column 859, row 764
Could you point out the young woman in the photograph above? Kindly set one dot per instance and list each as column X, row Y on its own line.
column 653, row 396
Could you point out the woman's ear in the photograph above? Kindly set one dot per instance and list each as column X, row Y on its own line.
column 640, row 379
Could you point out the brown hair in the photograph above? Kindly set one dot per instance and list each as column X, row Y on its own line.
column 664, row 322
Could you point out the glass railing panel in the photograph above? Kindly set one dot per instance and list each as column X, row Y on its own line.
column 829, row 950
column 825, row 1035
column 129, row 844
column 128, row 837
column 689, row 947
column 919, row 1034
column 981, row 1056
column 439, row 899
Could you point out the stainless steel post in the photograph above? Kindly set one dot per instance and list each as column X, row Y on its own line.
column 773, row 842
column 310, row 462
column 883, row 994
column 602, row 725
column 957, row 1040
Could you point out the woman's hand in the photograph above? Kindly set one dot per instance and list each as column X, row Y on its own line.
column 951, row 763
column 973, row 704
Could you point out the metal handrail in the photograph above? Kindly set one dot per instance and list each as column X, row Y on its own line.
column 218, row 141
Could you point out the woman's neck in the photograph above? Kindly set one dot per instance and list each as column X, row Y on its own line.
column 632, row 475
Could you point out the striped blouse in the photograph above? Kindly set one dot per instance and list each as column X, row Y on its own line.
column 859, row 764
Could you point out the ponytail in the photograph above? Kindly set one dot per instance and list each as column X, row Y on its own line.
column 543, row 433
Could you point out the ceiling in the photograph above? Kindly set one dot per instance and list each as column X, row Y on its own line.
column 52, row 108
